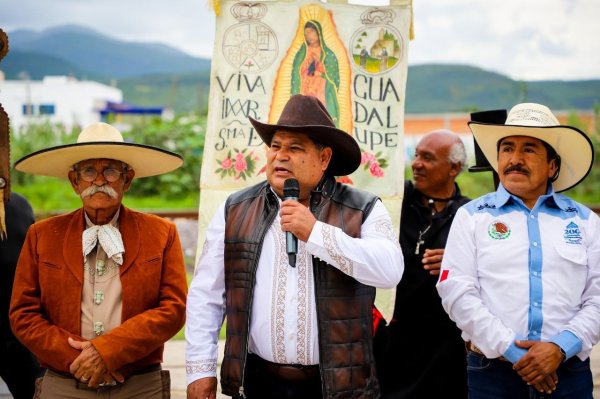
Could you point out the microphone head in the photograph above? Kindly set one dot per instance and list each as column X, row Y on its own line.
column 291, row 188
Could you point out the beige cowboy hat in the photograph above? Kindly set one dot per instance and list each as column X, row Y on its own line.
column 535, row 120
column 308, row 115
column 99, row 140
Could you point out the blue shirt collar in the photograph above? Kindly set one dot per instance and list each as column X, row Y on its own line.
column 550, row 198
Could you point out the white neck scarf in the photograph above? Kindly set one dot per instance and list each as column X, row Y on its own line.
column 109, row 238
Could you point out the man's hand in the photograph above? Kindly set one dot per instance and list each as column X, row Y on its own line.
column 89, row 367
column 548, row 384
column 297, row 219
column 432, row 260
column 204, row 388
column 541, row 360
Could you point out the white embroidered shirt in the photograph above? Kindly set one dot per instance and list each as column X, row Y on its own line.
column 283, row 325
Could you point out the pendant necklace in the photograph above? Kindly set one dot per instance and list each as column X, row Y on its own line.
column 420, row 240
column 431, row 203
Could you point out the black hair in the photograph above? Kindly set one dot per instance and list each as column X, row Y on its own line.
column 317, row 143
column 309, row 24
column 551, row 154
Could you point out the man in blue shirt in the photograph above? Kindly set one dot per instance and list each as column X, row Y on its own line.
column 521, row 271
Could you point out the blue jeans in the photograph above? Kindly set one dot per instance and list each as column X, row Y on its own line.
column 495, row 379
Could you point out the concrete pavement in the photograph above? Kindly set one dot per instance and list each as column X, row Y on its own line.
column 174, row 360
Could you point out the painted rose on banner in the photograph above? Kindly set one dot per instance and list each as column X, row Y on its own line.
column 373, row 163
column 237, row 164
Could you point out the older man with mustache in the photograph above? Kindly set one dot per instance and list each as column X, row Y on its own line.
column 521, row 271
column 99, row 290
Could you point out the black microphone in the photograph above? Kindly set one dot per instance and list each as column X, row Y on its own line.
column 291, row 190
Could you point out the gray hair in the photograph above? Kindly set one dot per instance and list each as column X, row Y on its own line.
column 458, row 154
column 93, row 189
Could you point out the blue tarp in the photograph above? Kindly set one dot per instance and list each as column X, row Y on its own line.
column 126, row 108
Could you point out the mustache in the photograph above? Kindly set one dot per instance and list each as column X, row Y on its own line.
column 516, row 168
column 93, row 189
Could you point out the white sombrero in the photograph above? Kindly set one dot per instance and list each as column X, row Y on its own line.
column 99, row 140
column 534, row 120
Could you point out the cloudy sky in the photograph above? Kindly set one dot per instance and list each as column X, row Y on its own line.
column 524, row 39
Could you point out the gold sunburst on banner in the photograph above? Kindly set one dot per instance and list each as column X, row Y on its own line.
column 337, row 68
column 216, row 6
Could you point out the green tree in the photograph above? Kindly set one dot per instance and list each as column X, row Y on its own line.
column 34, row 137
column 588, row 191
column 183, row 135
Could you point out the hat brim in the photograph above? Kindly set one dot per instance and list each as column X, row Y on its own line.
column 56, row 161
column 345, row 158
column 574, row 147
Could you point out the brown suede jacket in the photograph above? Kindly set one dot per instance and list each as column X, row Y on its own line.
column 46, row 301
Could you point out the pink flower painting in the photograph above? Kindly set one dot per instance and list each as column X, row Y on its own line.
column 373, row 163
column 237, row 164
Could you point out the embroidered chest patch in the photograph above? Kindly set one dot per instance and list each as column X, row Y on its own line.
column 498, row 230
column 572, row 234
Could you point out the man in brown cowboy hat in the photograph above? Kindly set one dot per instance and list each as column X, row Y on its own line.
column 297, row 327
column 99, row 290
column 521, row 271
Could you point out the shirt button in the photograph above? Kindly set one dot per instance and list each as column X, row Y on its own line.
column 98, row 328
column 98, row 297
column 532, row 216
column 100, row 267
column 535, row 243
column 534, row 332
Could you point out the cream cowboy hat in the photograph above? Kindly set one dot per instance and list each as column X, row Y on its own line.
column 535, row 120
column 99, row 140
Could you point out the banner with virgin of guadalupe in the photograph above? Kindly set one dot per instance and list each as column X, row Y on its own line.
column 352, row 57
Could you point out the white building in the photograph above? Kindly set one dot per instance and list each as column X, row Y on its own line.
column 57, row 99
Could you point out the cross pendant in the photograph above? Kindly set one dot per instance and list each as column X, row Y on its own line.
column 419, row 243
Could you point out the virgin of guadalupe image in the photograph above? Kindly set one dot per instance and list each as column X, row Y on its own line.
column 315, row 71
column 315, row 64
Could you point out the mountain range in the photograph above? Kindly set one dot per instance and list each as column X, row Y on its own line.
column 154, row 74
column 85, row 51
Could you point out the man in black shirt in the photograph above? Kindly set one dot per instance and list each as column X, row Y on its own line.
column 425, row 355
column 18, row 367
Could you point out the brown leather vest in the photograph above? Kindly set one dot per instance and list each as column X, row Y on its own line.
column 344, row 306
